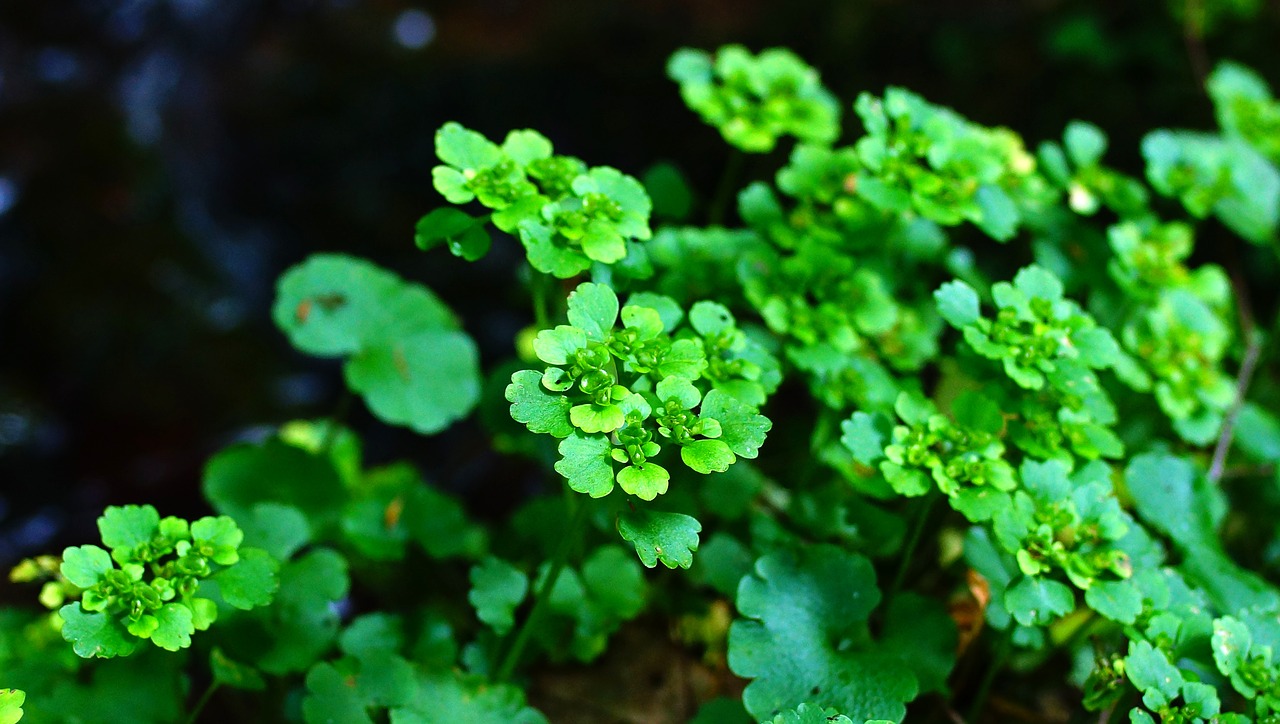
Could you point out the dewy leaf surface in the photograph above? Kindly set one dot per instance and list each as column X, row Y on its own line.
column 807, row 639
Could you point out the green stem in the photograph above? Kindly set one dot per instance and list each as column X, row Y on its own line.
column 204, row 699
column 539, row 286
column 543, row 596
column 984, row 688
column 724, row 191
column 917, row 530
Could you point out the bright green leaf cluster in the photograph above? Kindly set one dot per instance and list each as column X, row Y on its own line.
column 1178, row 330
column 1075, row 167
column 566, row 214
column 963, row 458
column 924, row 158
column 1049, row 346
column 756, row 99
column 148, row 586
column 1066, row 522
column 1225, row 177
column 1246, row 108
column 616, row 395
column 406, row 352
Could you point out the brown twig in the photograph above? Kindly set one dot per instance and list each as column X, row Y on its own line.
column 1247, row 367
column 1193, row 36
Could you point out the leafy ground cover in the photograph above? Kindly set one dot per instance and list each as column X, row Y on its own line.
column 863, row 472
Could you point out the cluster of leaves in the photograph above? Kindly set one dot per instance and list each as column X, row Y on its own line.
column 756, row 99
column 160, row 581
column 614, row 395
column 568, row 216
column 1074, row 422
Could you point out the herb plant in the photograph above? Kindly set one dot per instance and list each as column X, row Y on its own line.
column 943, row 411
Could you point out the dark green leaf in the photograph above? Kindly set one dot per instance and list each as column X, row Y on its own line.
column 668, row 537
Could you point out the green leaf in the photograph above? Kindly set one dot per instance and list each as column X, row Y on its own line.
column 95, row 634
column 242, row 476
column 1085, row 143
column 539, row 410
column 593, row 308
column 679, row 389
column 464, row 234
column 124, row 528
column 1038, row 601
column 302, row 621
column 439, row 522
column 278, row 529
column 497, row 588
column 1149, row 670
column 1258, row 433
column 557, row 346
column 668, row 537
column 333, row 305
column 425, row 382
column 710, row 318
column 646, row 481
column 84, row 565
column 958, row 304
column 465, row 149
column 1120, row 601
column 919, row 631
column 669, row 189
column 250, row 583
column 372, row 635
column 450, row 698
column 586, row 463
column 999, row 216
column 646, row 321
column 176, row 627
column 220, row 535
column 333, row 697
column 722, row 562
column 592, row 418
column 805, row 714
column 743, row 429
column 865, row 436
column 11, row 701
column 232, row 673
column 807, row 639
column 707, row 456
column 526, row 146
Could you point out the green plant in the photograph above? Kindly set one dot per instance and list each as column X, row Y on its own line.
column 838, row 422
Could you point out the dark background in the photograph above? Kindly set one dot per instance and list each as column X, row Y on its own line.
column 162, row 161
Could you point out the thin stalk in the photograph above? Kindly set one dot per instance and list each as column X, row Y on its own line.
column 984, row 688
column 724, row 191
column 917, row 530
column 204, row 699
column 539, row 284
column 1218, row 466
column 543, row 595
